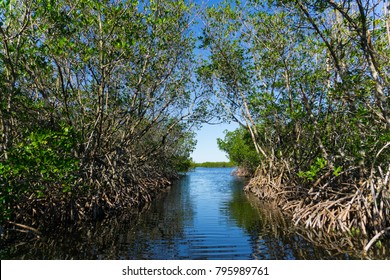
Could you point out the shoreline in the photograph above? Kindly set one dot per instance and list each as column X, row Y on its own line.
column 324, row 218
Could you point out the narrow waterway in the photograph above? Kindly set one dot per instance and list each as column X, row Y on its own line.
column 206, row 215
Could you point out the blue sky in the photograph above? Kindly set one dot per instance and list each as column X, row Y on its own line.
column 206, row 147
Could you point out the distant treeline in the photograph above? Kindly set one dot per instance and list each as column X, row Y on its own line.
column 213, row 164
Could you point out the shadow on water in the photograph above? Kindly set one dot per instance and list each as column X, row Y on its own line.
column 274, row 236
column 206, row 215
column 149, row 234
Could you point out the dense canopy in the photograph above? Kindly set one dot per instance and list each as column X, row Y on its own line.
column 98, row 101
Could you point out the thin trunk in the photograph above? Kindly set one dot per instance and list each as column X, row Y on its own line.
column 316, row 129
column 386, row 9
column 368, row 51
column 362, row 32
column 101, row 90
column 331, row 50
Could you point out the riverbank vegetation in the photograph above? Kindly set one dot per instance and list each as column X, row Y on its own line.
column 239, row 146
column 309, row 82
column 98, row 99
column 213, row 164
column 97, row 104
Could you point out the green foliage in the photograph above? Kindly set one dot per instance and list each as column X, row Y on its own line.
column 181, row 158
column 308, row 96
column 337, row 170
column 183, row 163
column 310, row 81
column 354, row 232
column 379, row 244
column 43, row 160
column 315, row 169
column 311, row 91
column 240, row 149
column 216, row 164
column 119, row 75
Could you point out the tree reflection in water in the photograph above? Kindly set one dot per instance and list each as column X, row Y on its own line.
column 205, row 216
column 152, row 233
column 273, row 236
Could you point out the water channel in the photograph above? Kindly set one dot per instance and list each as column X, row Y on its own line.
column 206, row 215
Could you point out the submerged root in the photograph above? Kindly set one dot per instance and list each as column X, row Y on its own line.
column 359, row 208
column 103, row 198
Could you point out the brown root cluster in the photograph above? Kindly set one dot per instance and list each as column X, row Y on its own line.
column 327, row 246
column 333, row 205
column 107, row 192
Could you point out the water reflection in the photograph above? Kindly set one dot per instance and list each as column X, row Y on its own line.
column 271, row 235
column 205, row 216
column 151, row 234
column 274, row 236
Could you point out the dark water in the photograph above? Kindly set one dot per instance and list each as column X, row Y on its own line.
column 204, row 216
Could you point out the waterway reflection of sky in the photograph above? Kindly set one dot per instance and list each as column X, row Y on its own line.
column 204, row 216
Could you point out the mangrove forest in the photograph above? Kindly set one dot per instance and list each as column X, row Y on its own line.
column 100, row 102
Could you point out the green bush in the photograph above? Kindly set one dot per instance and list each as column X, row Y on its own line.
column 240, row 149
column 42, row 160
